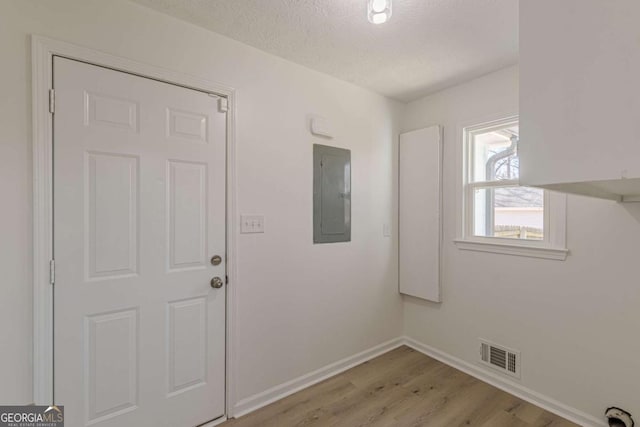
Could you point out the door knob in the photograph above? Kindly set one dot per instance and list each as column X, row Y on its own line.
column 216, row 283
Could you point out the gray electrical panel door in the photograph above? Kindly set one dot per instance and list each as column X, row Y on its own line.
column 331, row 194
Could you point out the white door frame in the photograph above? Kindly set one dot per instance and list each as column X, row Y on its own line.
column 43, row 51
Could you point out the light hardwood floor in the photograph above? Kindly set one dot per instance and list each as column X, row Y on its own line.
column 401, row 388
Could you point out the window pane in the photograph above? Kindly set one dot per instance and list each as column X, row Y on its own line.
column 494, row 154
column 509, row 212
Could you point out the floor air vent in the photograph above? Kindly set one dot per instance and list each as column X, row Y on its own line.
column 501, row 358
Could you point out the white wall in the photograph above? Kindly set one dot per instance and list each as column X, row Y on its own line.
column 576, row 322
column 300, row 306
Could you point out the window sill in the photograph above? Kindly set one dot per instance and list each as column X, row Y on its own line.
column 559, row 254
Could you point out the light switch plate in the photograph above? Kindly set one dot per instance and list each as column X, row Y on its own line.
column 251, row 224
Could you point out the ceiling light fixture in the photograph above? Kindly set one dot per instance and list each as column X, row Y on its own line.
column 379, row 11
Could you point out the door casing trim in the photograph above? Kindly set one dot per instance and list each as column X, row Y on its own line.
column 43, row 50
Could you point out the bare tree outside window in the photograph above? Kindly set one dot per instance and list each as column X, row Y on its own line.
column 500, row 206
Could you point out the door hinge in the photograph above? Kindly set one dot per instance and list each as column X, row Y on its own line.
column 223, row 105
column 52, row 271
column 52, row 101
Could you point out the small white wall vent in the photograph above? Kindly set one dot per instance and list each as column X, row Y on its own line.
column 501, row 358
column 321, row 127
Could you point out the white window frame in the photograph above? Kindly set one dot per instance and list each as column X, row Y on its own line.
column 553, row 246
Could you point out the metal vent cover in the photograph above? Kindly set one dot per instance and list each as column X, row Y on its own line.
column 500, row 358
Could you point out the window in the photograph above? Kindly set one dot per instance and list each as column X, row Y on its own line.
column 499, row 214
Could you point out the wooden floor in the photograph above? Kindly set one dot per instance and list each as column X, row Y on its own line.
column 401, row 388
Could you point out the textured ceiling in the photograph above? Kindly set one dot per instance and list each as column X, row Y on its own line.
column 427, row 45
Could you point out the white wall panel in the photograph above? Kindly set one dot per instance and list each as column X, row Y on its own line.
column 420, row 194
column 282, row 276
column 555, row 312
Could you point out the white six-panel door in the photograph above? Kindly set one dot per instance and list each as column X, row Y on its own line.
column 139, row 210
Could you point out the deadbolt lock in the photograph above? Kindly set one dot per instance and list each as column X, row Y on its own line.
column 216, row 283
column 216, row 260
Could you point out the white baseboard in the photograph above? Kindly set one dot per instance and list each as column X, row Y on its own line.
column 508, row 385
column 215, row 422
column 278, row 392
column 281, row 391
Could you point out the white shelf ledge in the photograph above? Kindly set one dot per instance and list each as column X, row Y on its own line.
column 559, row 254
